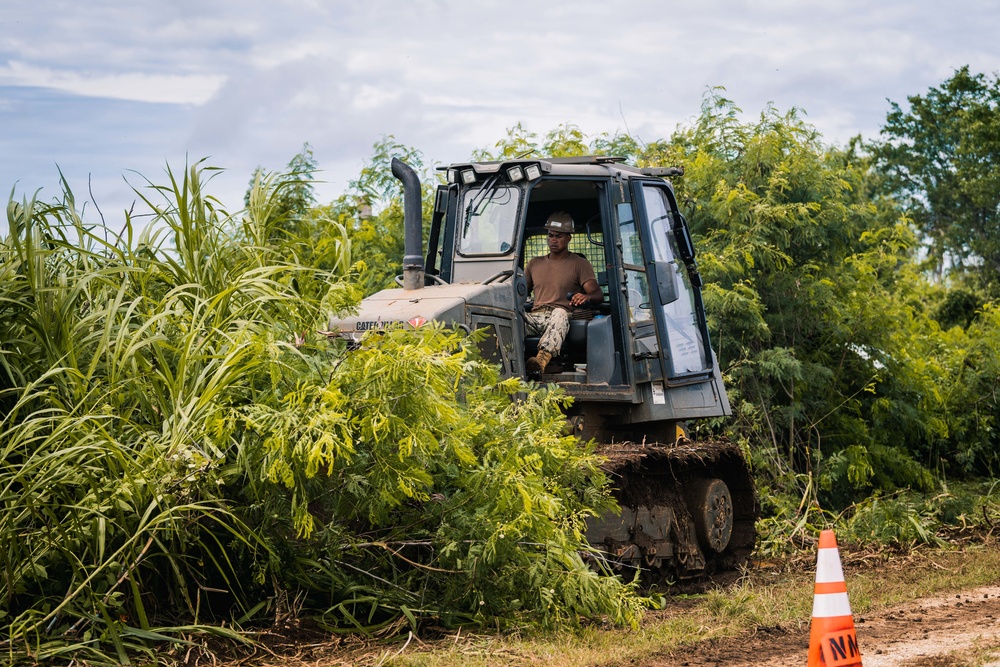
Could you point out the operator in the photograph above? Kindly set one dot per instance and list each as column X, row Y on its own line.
column 561, row 280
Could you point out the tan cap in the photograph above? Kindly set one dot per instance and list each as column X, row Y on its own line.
column 560, row 221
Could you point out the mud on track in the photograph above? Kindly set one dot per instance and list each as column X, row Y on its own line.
column 927, row 632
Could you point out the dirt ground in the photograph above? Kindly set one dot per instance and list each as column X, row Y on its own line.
column 928, row 632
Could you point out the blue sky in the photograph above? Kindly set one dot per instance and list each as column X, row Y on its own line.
column 113, row 91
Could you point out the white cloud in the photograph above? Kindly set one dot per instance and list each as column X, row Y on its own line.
column 135, row 86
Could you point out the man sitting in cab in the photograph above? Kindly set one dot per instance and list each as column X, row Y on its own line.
column 561, row 281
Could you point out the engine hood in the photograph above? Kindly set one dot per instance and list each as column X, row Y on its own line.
column 411, row 308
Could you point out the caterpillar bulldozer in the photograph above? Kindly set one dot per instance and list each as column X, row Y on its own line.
column 638, row 366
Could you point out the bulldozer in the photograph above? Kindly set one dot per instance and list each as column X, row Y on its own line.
column 639, row 366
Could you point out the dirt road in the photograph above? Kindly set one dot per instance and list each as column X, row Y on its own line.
column 950, row 630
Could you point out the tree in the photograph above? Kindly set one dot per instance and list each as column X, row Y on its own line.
column 941, row 157
column 567, row 140
column 807, row 276
column 519, row 142
column 282, row 220
column 293, row 192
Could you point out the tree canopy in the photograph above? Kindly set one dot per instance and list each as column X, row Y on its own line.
column 941, row 158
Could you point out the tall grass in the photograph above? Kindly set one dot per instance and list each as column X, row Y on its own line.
column 121, row 361
column 180, row 459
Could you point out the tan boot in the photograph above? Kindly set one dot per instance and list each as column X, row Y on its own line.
column 536, row 365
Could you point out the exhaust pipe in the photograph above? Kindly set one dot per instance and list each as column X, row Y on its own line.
column 413, row 258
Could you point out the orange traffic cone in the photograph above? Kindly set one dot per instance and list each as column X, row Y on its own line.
column 832, row 640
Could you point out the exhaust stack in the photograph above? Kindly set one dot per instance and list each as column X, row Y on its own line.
column 413, row 259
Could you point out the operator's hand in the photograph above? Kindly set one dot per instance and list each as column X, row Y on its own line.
column 579, row 299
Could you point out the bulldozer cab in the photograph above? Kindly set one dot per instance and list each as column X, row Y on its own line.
column 647, row 343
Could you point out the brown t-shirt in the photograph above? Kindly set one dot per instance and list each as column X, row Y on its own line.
column 552, row 279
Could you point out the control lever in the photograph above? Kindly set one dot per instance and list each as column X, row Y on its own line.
column 569, row 297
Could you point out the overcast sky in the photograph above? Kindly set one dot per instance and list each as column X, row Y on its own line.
column 108, row 90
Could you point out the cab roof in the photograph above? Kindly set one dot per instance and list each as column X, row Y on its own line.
column 583, row 165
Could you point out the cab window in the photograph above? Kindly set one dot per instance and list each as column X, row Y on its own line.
column 488, row 221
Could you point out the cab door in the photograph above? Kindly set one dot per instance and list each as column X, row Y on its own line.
column 675, row 286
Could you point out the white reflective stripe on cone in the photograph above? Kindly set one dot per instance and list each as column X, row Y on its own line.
column 826, row 605
column 828, row 566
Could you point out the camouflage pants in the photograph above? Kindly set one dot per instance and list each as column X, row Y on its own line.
column 552, row 324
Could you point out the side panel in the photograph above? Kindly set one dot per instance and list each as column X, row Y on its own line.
column 447, row 250
column 499, row 344
column 677, row 299
column 494, row 308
